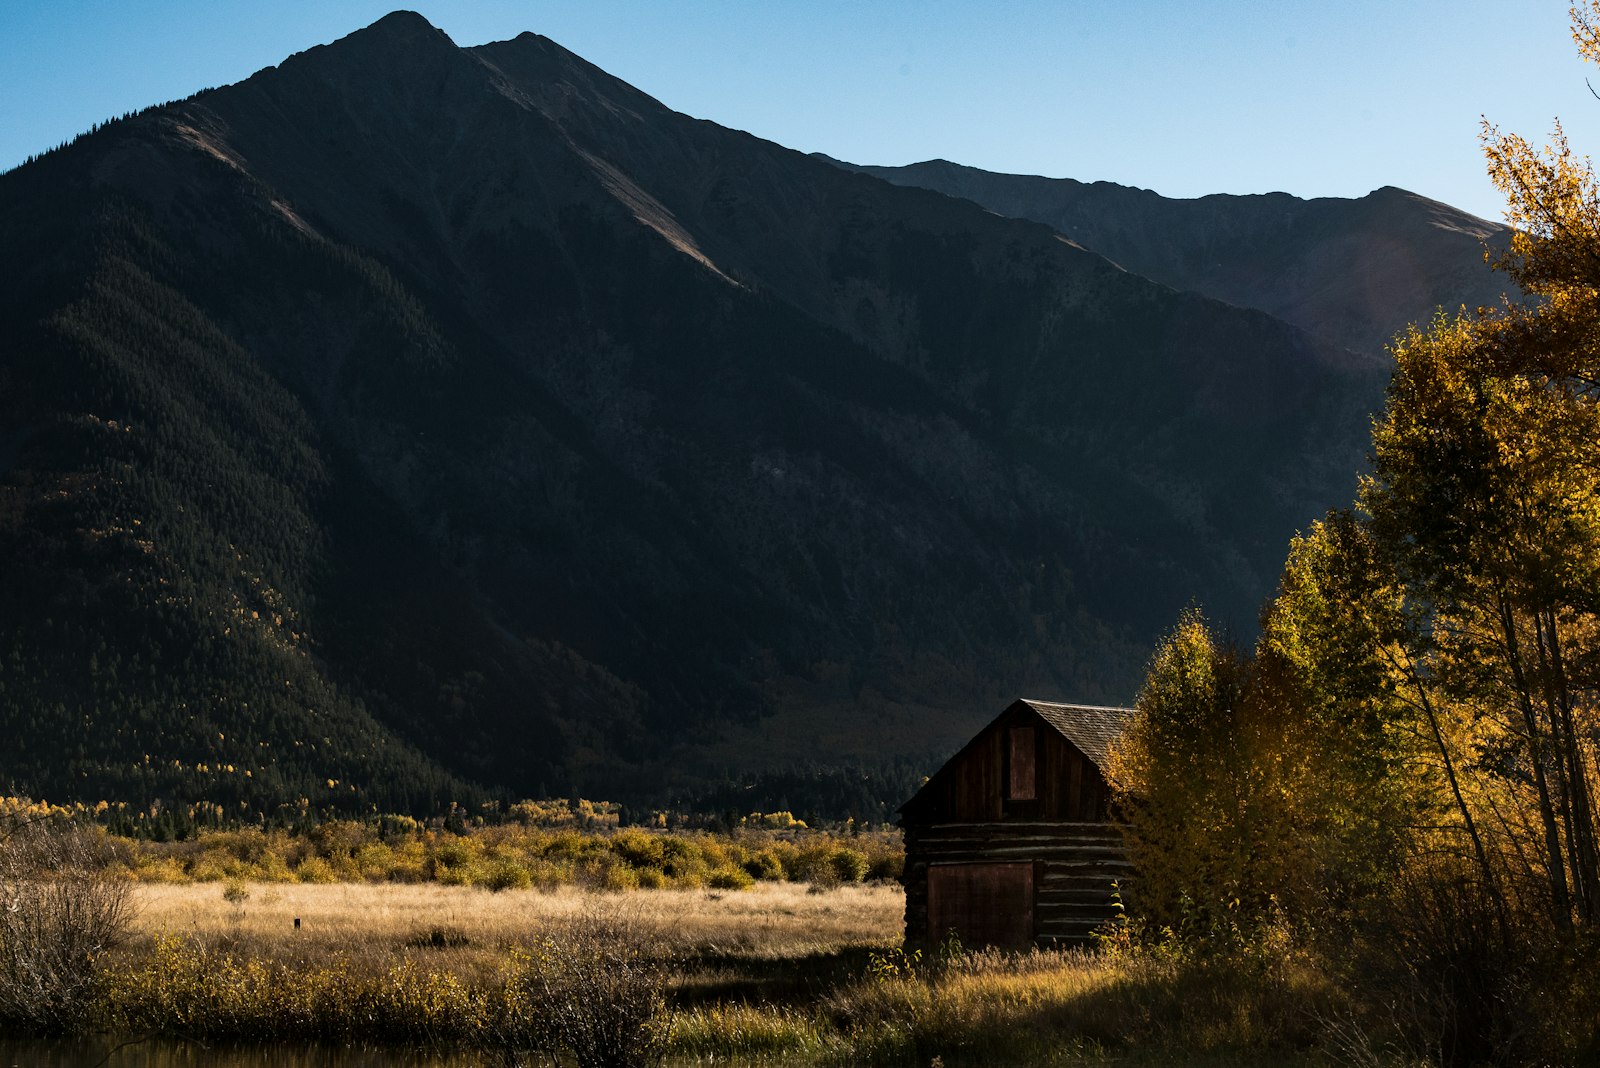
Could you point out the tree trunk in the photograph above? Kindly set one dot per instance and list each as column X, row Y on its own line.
column 1555, row 859
column 1586, row 854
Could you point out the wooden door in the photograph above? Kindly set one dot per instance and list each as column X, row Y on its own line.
column 983, row 904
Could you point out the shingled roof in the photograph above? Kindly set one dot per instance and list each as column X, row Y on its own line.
column 1092, row 728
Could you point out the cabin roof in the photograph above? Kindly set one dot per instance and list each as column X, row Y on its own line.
column 1092, row 728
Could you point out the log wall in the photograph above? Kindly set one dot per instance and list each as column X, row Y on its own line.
column 1076, row 866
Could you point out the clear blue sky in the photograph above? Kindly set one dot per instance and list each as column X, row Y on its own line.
column 1182, row 96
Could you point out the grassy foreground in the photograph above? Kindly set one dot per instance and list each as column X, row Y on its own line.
column 601, row 946
column 780, row 973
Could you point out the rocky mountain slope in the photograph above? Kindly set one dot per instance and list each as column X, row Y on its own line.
column 1354, row 272
column 408, row 421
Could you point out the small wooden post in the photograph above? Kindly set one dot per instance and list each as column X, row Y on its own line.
column 297, row 923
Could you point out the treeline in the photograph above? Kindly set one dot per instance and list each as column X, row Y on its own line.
column 508, row 857
column 818, row 794
column 541, row 844
column 96, row 127
column 1401, row 775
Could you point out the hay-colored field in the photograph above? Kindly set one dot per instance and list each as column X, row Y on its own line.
column 769, row 920
column 781, row 973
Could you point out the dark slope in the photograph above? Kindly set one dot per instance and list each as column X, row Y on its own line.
column 1352, row 271
column 406, row 412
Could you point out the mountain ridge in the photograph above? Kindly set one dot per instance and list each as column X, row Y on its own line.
column 1353, row 271
column 466, row 419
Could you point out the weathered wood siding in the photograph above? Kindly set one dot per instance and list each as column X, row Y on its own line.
column 976, row 783
column 1075, row 865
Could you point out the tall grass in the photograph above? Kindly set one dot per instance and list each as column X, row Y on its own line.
column 599, row 1000
column 1063, row 1006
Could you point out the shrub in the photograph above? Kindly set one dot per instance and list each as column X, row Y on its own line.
column 344, row 868
column 316, row 870
column 570, row 845
column 730, row 878
column 716, row 854
column 547, row 875
column 682, row 861
column 515, row 1022
column 618, row 877
column 375, row 861
column 214, row 865
column 272, row 868
column 456, row 853
column 507, row 875
column 465, row 875
column 152, row 869
column 764, row 865
column 183, row 987
column 640, row 849
column 411, row 864
column 599, row 996
column 887, row 867
column 829, row 864
column 1454, row 982
column 849, row 865
column 60, row 909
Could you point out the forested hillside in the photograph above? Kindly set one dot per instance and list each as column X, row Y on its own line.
column 409, row 421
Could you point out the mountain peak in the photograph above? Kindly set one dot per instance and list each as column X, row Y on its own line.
column 399, row 32
column 402, row 23
column 538, row 65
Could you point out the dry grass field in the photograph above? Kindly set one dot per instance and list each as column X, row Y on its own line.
column 767, row 947
column 770, row 920
column 779, row 973
column 772, row 941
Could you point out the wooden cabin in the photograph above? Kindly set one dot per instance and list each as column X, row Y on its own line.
column 1009, row 843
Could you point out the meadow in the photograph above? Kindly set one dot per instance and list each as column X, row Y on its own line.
column 778, row 973
column 563, row 934
column 463, row 926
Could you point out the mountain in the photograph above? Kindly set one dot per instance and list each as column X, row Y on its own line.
column 409, row 423
column 1354, row 272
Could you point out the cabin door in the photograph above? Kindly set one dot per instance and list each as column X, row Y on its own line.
column 983, row 904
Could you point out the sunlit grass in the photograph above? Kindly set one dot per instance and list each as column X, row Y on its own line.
column 1067, row 1007
column 771, row 920
column 779, row 974
column 749, row 1034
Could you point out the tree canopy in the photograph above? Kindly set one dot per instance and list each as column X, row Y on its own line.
column 1420, row 718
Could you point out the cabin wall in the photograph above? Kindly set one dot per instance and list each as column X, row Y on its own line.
column 977, row 783
column 1072, row 788
column 1075, row 867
